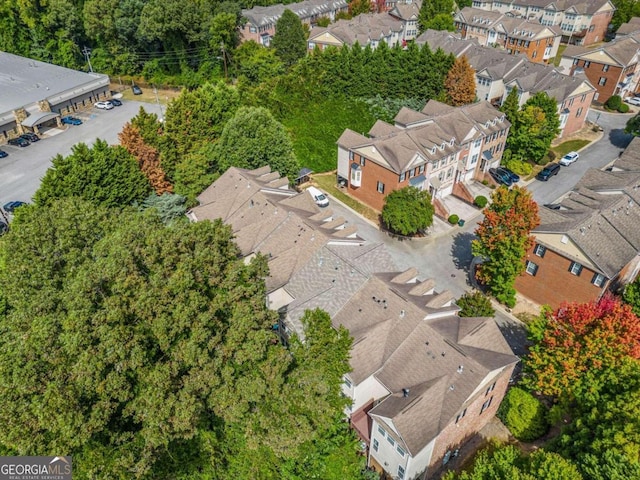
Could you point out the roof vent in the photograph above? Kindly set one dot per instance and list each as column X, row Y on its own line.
column 402, row 316
column 405, row 392
column 460, row 368
column 452, row 387
column 443, row 354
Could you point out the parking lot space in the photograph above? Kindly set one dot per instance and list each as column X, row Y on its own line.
column 24, row 167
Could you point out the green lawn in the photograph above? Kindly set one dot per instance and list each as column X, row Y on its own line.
column 327, row 182
column 556, row 60
column 570, row 146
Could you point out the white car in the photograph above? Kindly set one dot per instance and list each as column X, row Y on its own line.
column 569, row 158
column 633, row 101
column 103, row 105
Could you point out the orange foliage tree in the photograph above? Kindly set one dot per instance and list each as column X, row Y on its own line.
column 503, row 240
column 460, row 83
column 148, row 158
column 580, row 346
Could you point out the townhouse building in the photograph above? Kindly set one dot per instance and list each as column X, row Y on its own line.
column 423, row 380
column 260, row 24
column 431, row 150
column 612, row 68
column 583, row 22
column 366, row 29
column 518, row 36
column 590, row 242
column 497, row 73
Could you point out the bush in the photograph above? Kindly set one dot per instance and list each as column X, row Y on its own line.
column 475, row 304
column 523, row 414
column 613, row 103
column 480, row 201
column 453, row 219
column 518, row 166
column 623, row 108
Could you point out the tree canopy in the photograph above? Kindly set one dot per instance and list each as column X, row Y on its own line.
column 407, row 211
column 475, row 304
column 102, row 174
column 461, row 83
column 503, row 240
column 147, row 351
column 436, row 15
column 290, row 40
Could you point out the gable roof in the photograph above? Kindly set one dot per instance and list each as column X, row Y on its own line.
column 362, row 29
column 266, row 16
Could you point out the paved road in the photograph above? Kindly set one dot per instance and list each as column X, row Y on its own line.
column 22, row 170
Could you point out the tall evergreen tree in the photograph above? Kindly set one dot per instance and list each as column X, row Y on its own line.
column 461, row 83
column 290, row 40
column 436, row 15
column 510, row 106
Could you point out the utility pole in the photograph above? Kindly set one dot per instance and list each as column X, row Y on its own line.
column 86, row 51
column 155, row 90
column 224, row 60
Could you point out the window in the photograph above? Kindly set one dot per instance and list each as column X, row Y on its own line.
column 579, row 112
column 598, row 279
column 356, row 177
column 347, row 382
column 478, row 142
column 380, row 187
column 350, row 155
column 391, row 440
column 602, row 81
column 540, row 250
column 586, row 64
column 605, row 68
column 381, row 431
column 486, row 405
column 400, row 450
column 362, row 161
column 575, row 61
column 400, row 472
column 474, row 159
column 535, row 54
column 461, row 415
column 575, row 269
column 312, row 45
column 403, row 175
column 411, row 173
column 421, row 169
column 531, row 268
column 583, row 97
column 490, row 389
column 253, row 29
column 376, row 444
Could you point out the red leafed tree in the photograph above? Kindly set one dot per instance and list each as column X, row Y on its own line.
column 580, row 345
column 148, row 158
column 503, row 240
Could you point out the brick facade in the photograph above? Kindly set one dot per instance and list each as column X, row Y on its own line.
column 603, row 77
column 372, row 173
column 553, row 283
column 577, row 109
column 598, row 27
column 454, row 435
column 534, row 50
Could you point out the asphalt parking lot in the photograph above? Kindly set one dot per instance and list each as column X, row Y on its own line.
column 22, row 170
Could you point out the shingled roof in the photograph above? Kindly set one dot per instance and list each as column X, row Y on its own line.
column 362, row 29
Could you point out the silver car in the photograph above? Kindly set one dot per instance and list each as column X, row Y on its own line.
column 103, row 105
column 569, row 158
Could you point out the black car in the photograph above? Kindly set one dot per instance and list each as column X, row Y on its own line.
column 11, row 206
column 547, row 172
column 116, row 102
column 515, row 178
column 19, row 142
column 32, row 137
column 3, row 154
column 4, row 228
column 500, row 176
column 136, row 90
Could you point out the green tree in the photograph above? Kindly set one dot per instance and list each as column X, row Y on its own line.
column 631, row 296
column 510, row 106
column 436, row 14
column 407, row 211
column 169, row 206
column 102, row 174
column 195, row 172
column 358, row 7
column 290, row 40
column 503, row 240
column 256, row 64
column 461, row 83
column 523, row 414
column 475, row 304
column 224, row 31
column 253, row 139
column 633, row 126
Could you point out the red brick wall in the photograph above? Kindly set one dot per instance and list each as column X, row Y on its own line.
column 454, row 435
column 577, row 117
column 600, row 23
column 368, row 190
column 594, row 71
column 537, row 46
column 554, row 284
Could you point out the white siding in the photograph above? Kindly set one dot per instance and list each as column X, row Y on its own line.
column 419, row 463
column 343, row 162
column 367, row 390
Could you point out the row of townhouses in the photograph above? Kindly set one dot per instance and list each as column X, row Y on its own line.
column 611, row 67
column 423, row 380
column 518, row 36
column 497, row 73
column 433, row 150
column 583, row 22
column 590, row 241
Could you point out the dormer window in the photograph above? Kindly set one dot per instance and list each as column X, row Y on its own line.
column 453, row 140
column 442, row 146
column 433, row 151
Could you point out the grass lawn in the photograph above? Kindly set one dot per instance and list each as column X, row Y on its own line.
column 556, row 60
column 327, row 182
column 570, row 146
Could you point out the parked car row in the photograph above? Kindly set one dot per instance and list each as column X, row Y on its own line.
column 504, row 176
column 23, row 140
column 108, row 104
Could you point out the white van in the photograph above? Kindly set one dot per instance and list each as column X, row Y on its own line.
column 320, row 198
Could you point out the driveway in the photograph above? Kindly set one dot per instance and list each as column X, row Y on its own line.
column 22, row 170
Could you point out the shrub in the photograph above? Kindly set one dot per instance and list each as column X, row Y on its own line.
column 480, row 201
column 475, row 304
column 523, row 414
column 453, row 219
column 623, row 108
column 613, row 103
column 518, row 166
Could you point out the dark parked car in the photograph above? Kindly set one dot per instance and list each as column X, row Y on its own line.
column 32, row 137
column 500, row 176
column 136, row 90
column 552, row 206
column 19, row 142
column 549, row 171
column 11, row 206
column 515, row 178
column 4, row 228
column 69, row 120
column 116, row 102
column 3, row 154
